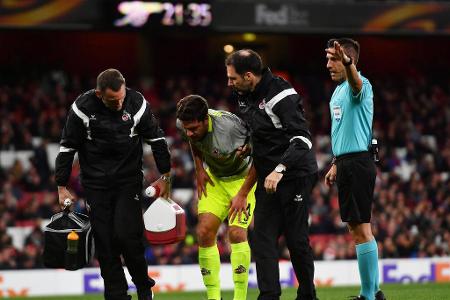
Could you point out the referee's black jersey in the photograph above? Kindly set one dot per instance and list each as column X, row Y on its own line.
column 279, row 130
column 109, row 143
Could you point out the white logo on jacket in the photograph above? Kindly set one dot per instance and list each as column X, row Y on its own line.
column 298, row 198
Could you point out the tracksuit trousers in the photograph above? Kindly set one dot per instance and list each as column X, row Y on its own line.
column 284, row 212
column 116, row 219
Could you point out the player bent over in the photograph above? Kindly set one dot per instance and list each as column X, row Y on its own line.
column 225, row 188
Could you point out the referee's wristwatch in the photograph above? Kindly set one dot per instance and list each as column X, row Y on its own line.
column 280, row 168
column 349, row 62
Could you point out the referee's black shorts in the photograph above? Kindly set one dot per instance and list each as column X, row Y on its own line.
column 356, row 173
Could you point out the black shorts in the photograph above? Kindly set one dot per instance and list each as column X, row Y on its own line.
column 356, row 173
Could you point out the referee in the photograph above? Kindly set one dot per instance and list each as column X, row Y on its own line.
column 353, row 169
column 286, row 171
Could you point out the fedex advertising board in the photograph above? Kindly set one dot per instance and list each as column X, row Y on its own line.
column 25, row 283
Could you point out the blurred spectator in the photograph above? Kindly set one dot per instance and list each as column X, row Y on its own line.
column 412, row 207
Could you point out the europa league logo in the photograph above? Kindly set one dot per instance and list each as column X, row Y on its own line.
column 35, row 12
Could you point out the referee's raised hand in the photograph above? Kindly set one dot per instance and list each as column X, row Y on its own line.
column 337, row 52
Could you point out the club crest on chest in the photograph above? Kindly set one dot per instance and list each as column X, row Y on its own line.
column 126, row 116
column 262, row 104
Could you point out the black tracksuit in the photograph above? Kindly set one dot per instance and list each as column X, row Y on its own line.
column 280, row 134
column 109, row 146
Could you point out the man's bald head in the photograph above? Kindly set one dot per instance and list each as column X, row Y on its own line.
column 245, row 52
column 245, row 60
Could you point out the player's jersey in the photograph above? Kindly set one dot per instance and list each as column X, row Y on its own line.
column 225, row 134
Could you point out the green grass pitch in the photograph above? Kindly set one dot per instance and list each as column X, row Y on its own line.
column 427, row 291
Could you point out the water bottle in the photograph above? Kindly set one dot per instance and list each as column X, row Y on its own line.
column 376, row 158
column 72, row 251
column 152, row 191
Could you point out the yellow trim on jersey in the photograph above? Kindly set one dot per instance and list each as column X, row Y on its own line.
column 209, row 124
column 215, row 113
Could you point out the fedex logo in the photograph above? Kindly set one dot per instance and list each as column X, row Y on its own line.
column 437, row 272
column 93, row 283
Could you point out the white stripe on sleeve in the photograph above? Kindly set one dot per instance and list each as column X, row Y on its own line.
column 84, row 118
column 65, row 149
column 272, row 102
column 304, row 139
column 155, row 140
column 137, row 117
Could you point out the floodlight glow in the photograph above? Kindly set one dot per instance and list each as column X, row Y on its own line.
column 249, row 37
column 228, row 48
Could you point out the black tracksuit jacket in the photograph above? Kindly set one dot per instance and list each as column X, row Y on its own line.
column 279, row 130
column 109, row 143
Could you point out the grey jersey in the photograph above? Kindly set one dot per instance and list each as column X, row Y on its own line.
column 225, row 134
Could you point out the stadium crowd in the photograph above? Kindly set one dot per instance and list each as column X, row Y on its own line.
column 412, row 123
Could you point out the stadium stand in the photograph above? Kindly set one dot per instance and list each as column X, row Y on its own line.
column 412, row 211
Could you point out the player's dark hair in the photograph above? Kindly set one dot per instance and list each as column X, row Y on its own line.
column 192, row 108
column 110, row 79
column 245, row 60
column 351, row 47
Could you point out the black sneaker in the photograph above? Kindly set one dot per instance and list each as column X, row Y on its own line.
column 380, row 295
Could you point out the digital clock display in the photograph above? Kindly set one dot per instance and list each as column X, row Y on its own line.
column 139, row 13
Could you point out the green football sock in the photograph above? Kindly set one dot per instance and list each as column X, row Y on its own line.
column 240, row 263
column 209, row 261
